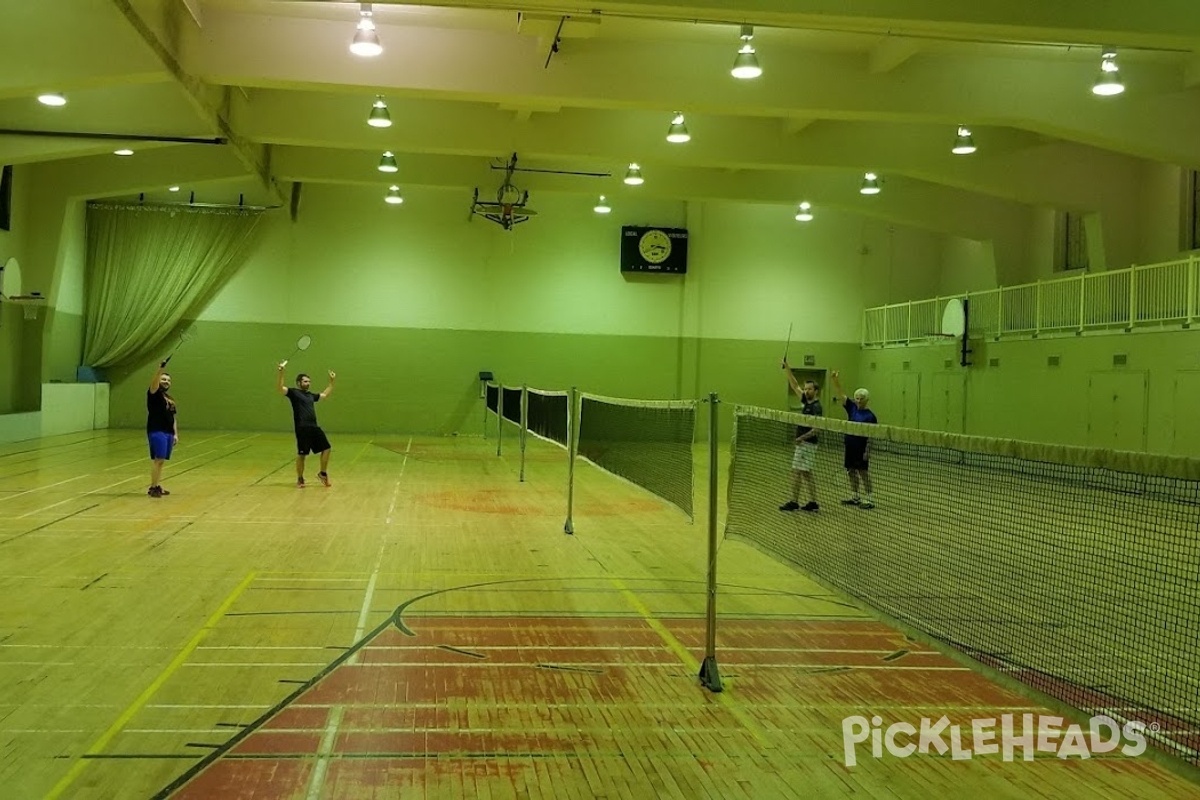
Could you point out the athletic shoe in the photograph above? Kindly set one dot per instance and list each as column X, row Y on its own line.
column 154, row 491
column 790, row 505
column 853, row 501
column 162, row 492
column 811, row 505
column 299, row 483
column 324, row 476
column 866, row 504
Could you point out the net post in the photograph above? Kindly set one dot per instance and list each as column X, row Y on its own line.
column 524, row 426
column 710, row 676
column 572, row 444
column 485, row 410
column 499, row 417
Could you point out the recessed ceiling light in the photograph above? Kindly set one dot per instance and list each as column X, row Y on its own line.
column 52, row 99
column 124, row 151
column 172, row 188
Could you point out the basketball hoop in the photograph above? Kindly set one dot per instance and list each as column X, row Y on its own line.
column 29, row 303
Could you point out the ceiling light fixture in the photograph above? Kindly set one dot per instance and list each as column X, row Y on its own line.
column 393, row 196
column 633, row 175
column 379, row 117
column 745, row 64
column 602, row 206
column 52, row 99
column 172, row 188
column 124, row 151
column 1109, row 83
column 870, row 184
column 678, row 132
column 366, row 41
column 964, row 143
column 805, row 212
column 388, row 162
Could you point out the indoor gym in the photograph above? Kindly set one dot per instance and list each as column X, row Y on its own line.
column 536, row 571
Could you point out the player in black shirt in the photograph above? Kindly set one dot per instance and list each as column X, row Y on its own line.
column 805, row 454
column 161, row 430
column 309, row 436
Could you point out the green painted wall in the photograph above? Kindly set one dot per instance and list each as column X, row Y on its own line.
column 1020, row 396
column 425, row 381
column 20, row 339
column 408, row 304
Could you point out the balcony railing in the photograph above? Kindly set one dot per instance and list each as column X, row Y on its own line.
column 1150, row 296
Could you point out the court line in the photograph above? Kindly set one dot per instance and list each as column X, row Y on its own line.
column 118, row 483
column 324, row 752
column 594, row 664
column 87, row 437
column 368, row 597
column 396, row 493
column 317, row 783
column 49, row 524
column 140, row 701
column 677, row 647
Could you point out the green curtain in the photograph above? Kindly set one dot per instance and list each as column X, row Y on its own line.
column 148, row 267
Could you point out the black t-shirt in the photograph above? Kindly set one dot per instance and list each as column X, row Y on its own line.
column 303, row 412
column 812, row 409
column 160, row 412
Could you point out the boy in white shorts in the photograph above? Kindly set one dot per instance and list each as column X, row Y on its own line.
column 805, row 455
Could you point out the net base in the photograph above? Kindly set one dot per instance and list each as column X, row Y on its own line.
column 710, row 676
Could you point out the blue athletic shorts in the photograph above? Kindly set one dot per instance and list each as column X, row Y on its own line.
column 161, row 444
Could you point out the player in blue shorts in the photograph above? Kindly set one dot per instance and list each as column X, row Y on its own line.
column 858, row 448
column 161, row 429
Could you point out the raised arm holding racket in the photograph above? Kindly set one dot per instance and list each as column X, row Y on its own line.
column 309, row 436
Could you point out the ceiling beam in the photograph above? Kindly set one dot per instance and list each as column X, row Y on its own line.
column 109, row 176
column 891, row 53
column 904, row 200
column 206, row 101
column 1165, row 23
column 1012, row 165
column 1047, row 94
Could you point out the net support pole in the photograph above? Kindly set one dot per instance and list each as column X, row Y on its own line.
column 710, row 676
column 499, row 418
column 572, row 445
column 485, row 410
column 524, row 426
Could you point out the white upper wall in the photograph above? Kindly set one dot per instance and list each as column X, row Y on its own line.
column 350, row 259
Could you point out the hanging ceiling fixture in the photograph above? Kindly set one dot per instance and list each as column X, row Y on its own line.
column 745, row 64
column 366, row 40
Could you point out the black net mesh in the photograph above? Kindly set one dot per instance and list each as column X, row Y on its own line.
column 546, row 415
column 512, row 405
column 493, row 398
column 648, row 443
column 1080, row 581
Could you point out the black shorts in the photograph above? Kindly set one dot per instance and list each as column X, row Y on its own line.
column 311, row 439
column 856, row 459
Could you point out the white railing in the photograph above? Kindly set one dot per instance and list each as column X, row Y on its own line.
column 1151, row 296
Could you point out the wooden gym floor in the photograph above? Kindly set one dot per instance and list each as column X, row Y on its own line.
column 423, row 628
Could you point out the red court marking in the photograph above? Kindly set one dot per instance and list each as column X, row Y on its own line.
column 415, row 714
column 268, row 779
